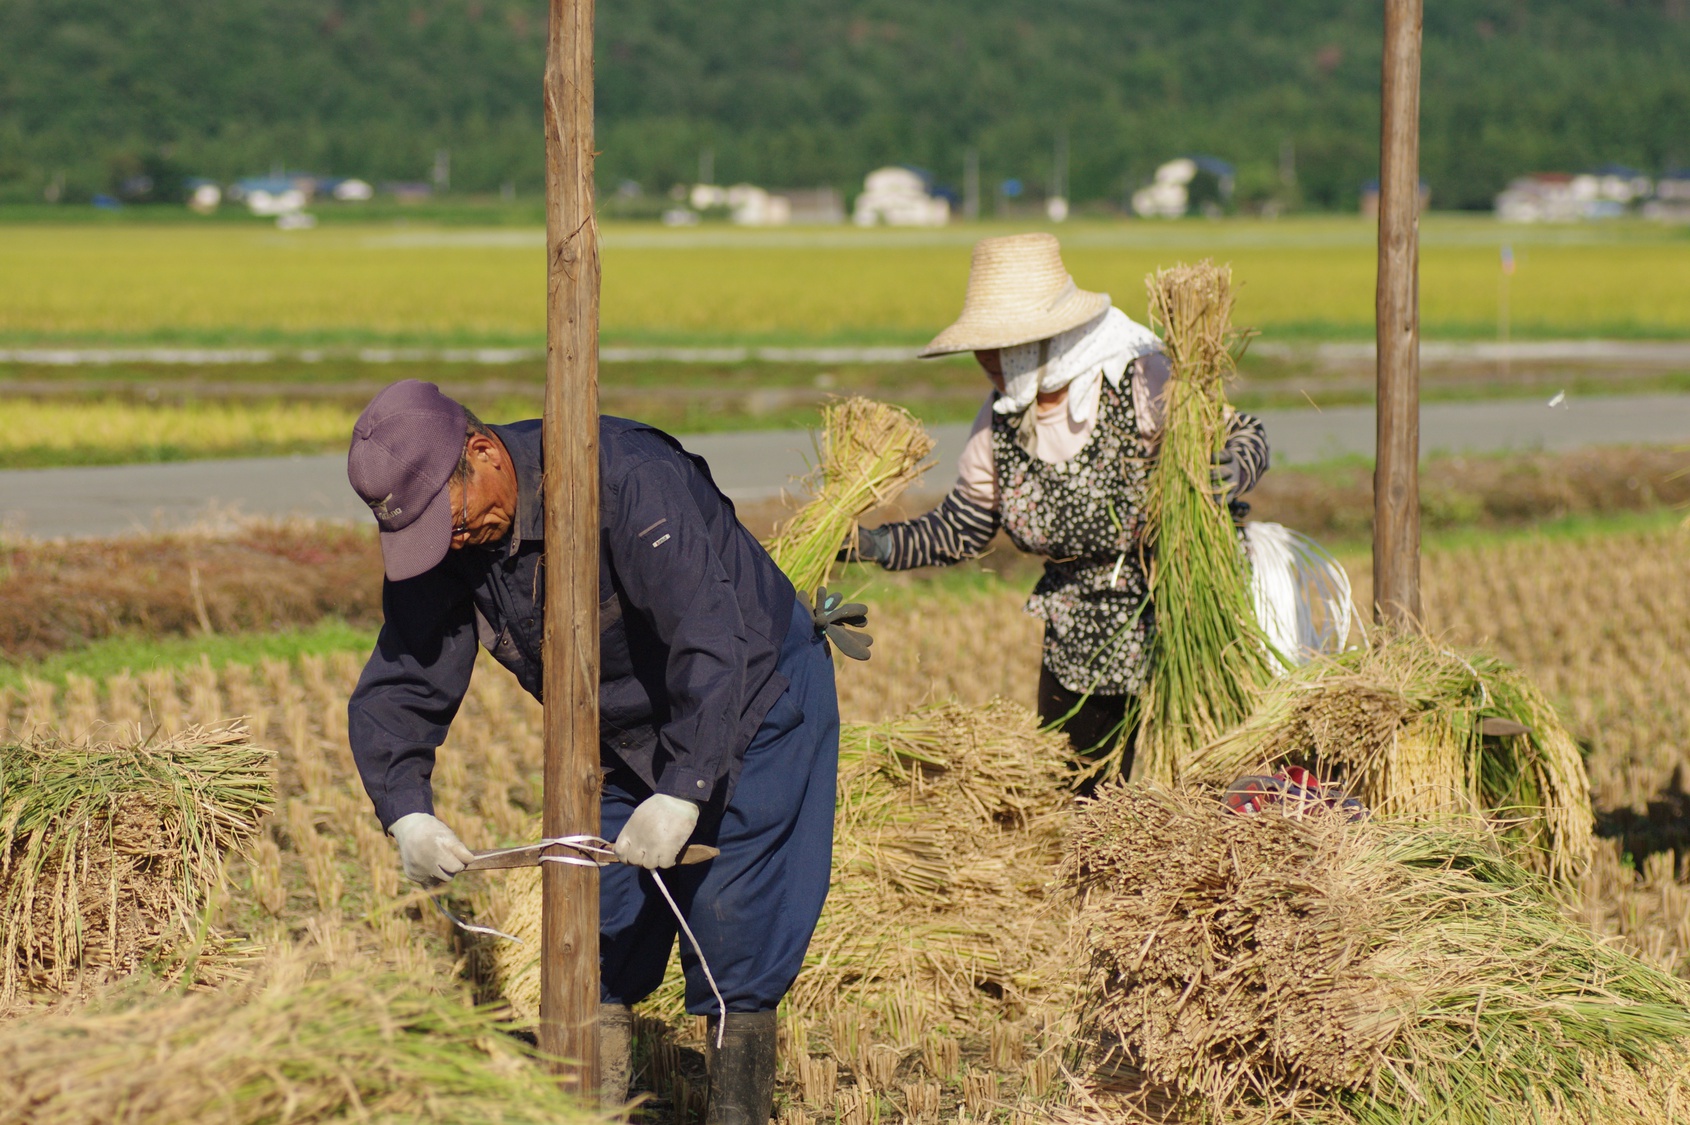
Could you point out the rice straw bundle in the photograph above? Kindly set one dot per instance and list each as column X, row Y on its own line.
column 949, row 823
column 1278, row 966
column 1210, row 657
column 305, row 1043
column 1403, row 726
column 868, row 453
column 109, row 851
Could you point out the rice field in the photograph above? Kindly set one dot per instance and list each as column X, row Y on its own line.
column 1304, row 277
column 42, row 432
column 1602, row 623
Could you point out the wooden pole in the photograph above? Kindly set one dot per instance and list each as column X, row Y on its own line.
column 569, row 960
column 1396, row 474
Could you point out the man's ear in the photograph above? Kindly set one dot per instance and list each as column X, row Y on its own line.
column 483, row 448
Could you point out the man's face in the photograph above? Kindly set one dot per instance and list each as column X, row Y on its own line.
column 484, row 502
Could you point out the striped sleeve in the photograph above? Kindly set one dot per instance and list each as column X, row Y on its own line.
column 1247, row 441
column 957, row 529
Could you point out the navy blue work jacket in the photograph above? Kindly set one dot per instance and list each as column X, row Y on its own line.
column 692, row 614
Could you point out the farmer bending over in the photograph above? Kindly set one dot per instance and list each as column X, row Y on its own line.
column 1060, row 458
column 719, row 723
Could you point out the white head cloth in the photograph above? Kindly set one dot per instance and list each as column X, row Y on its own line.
column 1075, row 359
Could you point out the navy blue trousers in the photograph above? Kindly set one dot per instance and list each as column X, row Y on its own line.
column 754, row 907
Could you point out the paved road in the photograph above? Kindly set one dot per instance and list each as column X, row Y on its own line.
column 49, row 503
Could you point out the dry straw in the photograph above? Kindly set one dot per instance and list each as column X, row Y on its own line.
column 110, row 850
column 307, row 1042
column 1278, row 967
column 868, row 453
column 1403, row 725
column 950, row 823
column 1210, row 656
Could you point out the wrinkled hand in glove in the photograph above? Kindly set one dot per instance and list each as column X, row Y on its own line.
column 657, row 831
column 1227, row 476
column 871, row 544
column 430, row 852
column 833, row 613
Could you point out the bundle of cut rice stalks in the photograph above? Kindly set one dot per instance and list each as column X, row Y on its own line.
column 1416, row 729
column 949, row 829
column 868, row 453
column 305, row 1042
column 1284, row 967
column 1211, row 657
column 110, row 851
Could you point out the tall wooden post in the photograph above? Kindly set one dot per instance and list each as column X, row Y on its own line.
column 1396, row 474
column 569, row 958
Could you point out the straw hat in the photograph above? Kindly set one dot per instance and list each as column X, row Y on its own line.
column 1018, row 292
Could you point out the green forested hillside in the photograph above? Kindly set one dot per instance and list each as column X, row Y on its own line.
column 802, row 92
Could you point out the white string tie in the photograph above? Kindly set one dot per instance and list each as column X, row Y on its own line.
column 596, row 851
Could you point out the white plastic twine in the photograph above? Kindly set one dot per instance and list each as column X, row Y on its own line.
column 1300, row 592
column 595, row 851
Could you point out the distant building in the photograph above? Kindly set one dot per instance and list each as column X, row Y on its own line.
column 1671, row 203
column 1561, row 197
column 816, row 207
column 900, row 197
column 1184, row 185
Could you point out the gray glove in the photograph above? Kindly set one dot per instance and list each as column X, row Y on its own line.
column 658, row 830
column 873, row 544
column 832, row 613
column 1228, row 477
column 430, row 851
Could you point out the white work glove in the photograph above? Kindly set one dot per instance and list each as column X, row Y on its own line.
column 430, row 851
column 658, row 830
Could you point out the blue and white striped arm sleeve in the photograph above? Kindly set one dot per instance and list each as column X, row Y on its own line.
column 957, row 529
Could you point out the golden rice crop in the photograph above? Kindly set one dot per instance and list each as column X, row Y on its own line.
column 113, row 431
column 350, row 284
column 867, row 454
column 110, row 850
column 1291, row 965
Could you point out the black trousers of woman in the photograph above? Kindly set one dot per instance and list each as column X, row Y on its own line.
column 1095, row 724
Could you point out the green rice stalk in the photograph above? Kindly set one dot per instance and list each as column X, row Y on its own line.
column 1210, row 656
column 110, row 851
column 1283, row 966
column 304, row 1043
column 1400, row 724
column 868, row 453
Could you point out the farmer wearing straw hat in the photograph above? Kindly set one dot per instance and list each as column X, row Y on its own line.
column 718, row 719
column 1059, row 457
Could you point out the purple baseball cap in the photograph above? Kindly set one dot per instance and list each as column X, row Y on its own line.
column 405, row 447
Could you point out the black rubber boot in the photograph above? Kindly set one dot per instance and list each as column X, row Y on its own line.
column 742, row 1072
column 616, row 1041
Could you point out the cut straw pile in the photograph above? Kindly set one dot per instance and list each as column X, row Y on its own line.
column 949, row 831
column 1210, row 656
column 1276, row 967
column 305, row 1042
column 868, row 453
column 1402, row 724
column 110, row 851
